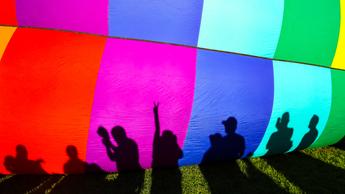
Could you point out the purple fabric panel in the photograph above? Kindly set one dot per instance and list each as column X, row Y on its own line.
column 89, row 16
column 134, row 75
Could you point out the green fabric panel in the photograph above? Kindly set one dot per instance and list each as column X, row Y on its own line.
column 310, row 31
column 335, row 128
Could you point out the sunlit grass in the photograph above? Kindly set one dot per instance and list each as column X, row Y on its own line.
column 276, row 176
column 3, row 179
column 337, row 158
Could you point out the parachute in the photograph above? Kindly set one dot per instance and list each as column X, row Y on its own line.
column 111, row 85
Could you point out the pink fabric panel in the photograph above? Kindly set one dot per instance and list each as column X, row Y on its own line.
column 132, row 76
column 76, row 15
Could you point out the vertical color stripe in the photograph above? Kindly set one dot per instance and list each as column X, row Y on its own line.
column 335, row 128
column 132, row 77
column 247, row 26
column 173, row 21
column 229, row 85
column 8, row 12
column 47, row 81
column 78, row 15
column 302, row 91
column 5, row 36
column 339, row 58
column 310, row 31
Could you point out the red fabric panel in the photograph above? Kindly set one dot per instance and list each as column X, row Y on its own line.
column 8, row 12
column 47, row 81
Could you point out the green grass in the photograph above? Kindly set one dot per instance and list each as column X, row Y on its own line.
column 310, row 171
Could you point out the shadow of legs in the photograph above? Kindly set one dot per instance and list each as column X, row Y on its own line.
column 311, row 175
column 228, row 178
column 166, row 180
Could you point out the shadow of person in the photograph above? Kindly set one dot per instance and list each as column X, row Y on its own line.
column 214, row 153
column 126, row 157
column 20, row 164
column 75, row 165
column 227, row 148
column 165, row 154
column 280, row 141
column 226, row 176
column 126, row 153
column 311, row 135
column 9, row 164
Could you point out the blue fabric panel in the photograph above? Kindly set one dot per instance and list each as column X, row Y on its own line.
column 173, row 21
column 228, row 85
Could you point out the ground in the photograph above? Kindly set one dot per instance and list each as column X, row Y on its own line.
column 309, row 171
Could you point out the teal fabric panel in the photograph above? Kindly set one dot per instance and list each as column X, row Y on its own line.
column 242, row 26
column 302, row 91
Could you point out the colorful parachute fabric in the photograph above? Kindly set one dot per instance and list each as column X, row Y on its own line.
column 127, row 84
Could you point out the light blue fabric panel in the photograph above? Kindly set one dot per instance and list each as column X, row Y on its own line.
column 303, row 91
column 242, row 26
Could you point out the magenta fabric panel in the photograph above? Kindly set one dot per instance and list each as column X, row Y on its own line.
column 134, row 75
column 89, row 16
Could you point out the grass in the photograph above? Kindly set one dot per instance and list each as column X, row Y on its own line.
column 310, row 171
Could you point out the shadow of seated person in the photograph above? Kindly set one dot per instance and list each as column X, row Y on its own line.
column 213, row 154
column 224, row 151
column 280, row 141
column 225, row 148
column 126, row 156
column 126, row 153
column 9, row 163
column 75, row 165
column 166, row 152
column 20, row 164
column 311, row 135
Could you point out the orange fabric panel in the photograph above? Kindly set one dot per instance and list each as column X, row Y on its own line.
column 47, row 81
column 8, row 12
column 6, row 33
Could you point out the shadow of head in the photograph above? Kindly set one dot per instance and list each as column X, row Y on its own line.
column 72, row 152
column 230, row 125
column 9, row 163
column 313, row 122
column 119, row 134
column 285, row 118
column 21, row 152
column 169, row 136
